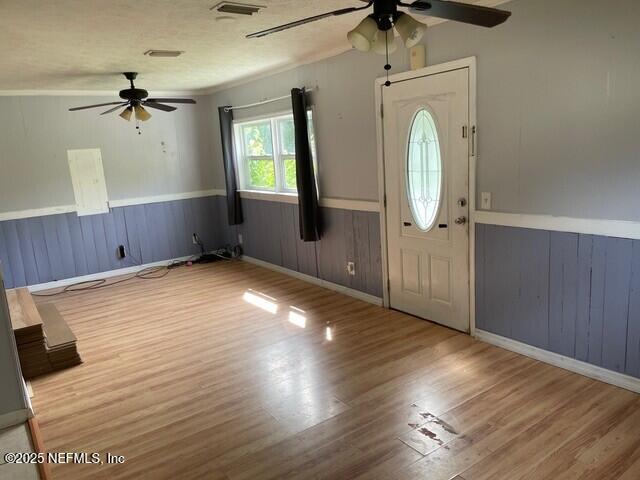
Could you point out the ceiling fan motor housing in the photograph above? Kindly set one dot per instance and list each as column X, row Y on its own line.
column 134, row 94
column 385, row 13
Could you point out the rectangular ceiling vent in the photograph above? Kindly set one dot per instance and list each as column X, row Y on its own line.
column 163, row 53
column 235, row 8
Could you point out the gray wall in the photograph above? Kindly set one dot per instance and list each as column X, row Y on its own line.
column 576, row 295
column 557, row 108
column 172, row 155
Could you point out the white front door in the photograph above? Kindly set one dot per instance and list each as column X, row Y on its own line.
column 426, row 160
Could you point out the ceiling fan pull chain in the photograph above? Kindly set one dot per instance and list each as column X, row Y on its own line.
column 387, row 67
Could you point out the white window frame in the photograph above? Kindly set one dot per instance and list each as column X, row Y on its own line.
column 278, row 156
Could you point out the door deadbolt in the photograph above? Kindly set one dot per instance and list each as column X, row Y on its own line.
column 462, row 202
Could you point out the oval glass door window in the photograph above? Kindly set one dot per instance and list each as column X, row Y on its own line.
column 424, row 170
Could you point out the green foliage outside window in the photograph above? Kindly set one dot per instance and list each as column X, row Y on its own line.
column 290, row 173
column 262, row 173
column 257, row 139
column 259, row 153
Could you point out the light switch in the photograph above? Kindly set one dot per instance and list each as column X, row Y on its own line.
column 485, row 200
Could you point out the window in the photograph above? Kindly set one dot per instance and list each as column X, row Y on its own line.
column 424, row 170
column 266, row 153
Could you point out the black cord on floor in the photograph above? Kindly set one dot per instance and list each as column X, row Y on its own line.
column 144, row 274
column 149, row 273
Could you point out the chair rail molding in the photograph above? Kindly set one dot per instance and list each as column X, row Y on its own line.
column 607, row 228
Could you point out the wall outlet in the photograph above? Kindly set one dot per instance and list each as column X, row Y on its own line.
column 121, row 252
column 239, row 239
column 351, row 268
column 485, row 200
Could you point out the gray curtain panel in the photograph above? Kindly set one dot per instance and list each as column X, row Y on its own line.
column 234, row 208
column 309, row 211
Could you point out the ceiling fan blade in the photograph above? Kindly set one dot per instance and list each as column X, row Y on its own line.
column 460, row 12
column 159, row 106
column 117, row 107
column 171, row 100
column 95, row 106
column 297, row 23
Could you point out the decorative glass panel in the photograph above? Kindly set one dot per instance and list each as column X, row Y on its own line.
column 424, row 171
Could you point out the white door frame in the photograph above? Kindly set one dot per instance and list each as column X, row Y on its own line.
column 470, row 63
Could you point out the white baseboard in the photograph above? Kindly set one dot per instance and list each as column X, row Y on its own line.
column 316, row 281
column 14, row 418
column 608, row 376
column 98, row 276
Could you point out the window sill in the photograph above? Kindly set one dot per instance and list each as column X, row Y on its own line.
column 269, row 196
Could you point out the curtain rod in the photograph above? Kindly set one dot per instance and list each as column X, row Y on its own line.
column 264, row 102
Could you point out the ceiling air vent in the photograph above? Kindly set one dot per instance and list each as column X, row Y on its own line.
column 163, row 53
column 236, row 8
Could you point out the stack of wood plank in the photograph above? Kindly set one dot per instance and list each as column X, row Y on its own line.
column 44, row 340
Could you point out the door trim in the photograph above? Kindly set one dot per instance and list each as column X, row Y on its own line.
column 470, row 63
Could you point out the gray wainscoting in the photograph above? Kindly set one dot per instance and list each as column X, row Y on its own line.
column 56, row 247
column 271, row 233
column 573, row 294
column 44, row 249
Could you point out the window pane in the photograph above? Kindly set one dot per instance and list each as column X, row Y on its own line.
column 262, row 173
column 257, row 139
column 287, row 136
column 424, row 171
column 290, row 174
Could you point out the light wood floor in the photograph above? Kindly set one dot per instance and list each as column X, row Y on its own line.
column 194, row 376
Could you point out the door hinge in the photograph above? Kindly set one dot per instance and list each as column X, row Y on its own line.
column 465, row 131
column 382, row 110
column 384, row 201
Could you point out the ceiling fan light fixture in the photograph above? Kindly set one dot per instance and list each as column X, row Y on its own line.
column 141, row 113
column 382, row 40
column 363, row 36
column 411, row 31
column 126, row 113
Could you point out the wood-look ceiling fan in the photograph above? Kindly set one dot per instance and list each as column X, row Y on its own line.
column 386, row 14
column 135, row 99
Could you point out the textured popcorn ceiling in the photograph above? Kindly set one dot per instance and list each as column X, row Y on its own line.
column 84, row 44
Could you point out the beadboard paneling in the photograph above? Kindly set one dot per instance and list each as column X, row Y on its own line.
column 573, row 294
column 271, row 233
column 55, row 247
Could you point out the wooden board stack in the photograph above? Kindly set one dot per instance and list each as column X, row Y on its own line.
column 44, row 340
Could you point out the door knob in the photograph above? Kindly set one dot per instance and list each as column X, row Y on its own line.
column 460, row 220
